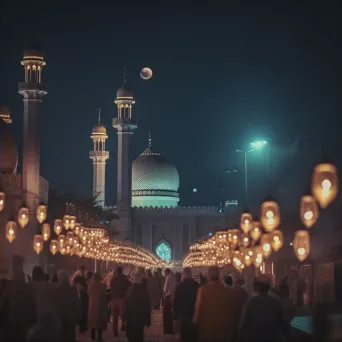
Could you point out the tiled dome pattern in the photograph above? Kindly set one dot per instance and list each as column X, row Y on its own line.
column 151, row 171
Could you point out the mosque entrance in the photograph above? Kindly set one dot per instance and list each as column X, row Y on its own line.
column 164, row 250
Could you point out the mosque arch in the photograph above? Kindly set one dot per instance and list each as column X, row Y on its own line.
column 164, row 250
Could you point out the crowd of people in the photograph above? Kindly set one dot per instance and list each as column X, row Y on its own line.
column 205, row 309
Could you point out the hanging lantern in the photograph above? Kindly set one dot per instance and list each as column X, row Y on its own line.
column 270, row 215
column 70, row 238
column 46, row 231
column 258, row 256
column 72, row 222
column 77, row 229
column 238, row 261
column 247, row 254
column 58, row 226
column 61, row 240
column 2, row 201
column 66, row 222
column 233, row 237
column 308, row 210
column 277, row 240
column 11, row 230
column 256, row 231
column 53, row 246
column 246, row 222
column 41, row 213
column 38, row 243
column 265, row 244
column 23, row 216
column 301, row 244
column 324, row 184
column 62, row 250
column 245, row 240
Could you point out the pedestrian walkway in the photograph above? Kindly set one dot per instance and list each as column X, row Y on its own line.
column 154, row 333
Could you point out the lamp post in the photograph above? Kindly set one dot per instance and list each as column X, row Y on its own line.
column 255, row 146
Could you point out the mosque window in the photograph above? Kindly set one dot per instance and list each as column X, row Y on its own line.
column 164, row 251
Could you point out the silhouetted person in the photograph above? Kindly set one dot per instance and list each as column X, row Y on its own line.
column 81, row 287
column 184, row 306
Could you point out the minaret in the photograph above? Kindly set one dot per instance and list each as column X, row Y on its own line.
column 32, row 89
column 5, row 114
column 99, row 156
column 125, row 125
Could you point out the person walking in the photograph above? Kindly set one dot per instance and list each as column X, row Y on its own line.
column 119, row 286
column 169, row 292
column 137, row 310
column 184, row 306
column 264, row 317
column 216, row 310
column 97, row 316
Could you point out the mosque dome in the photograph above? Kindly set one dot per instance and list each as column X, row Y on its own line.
column 8, row 150
column 34, row 50
column 155, row 181
column 124, row 91
column 99, row 129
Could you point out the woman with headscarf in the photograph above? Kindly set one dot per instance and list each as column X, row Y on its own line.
column 97, row 313
column 137, row 310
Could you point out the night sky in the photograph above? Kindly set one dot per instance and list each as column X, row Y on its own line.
column 224, row 75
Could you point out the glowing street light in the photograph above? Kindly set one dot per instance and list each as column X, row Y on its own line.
column 256, row 145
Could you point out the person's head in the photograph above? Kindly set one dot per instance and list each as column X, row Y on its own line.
column 38, row 274
column 89, row 275
column 284, row 290
column 149, row 273
column 240, row 281
column 262, row 284
column 159, row 270
column 63, row 277
column 138, row 278
column 81, row 268
column 97, row 277
column 110, row 271
column 118, row 270
column 186, row 274
column 79, row 280
column 213, row 273
column 167, row 271
column 228, row 280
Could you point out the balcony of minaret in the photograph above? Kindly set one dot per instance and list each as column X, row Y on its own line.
column 33, row 85
column 99, row 154
column 124, row 121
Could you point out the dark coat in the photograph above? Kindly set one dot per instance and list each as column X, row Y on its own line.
column 185, row 299
column 137, row 312
column 119, row 285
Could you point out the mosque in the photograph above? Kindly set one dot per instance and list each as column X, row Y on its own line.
column 147, row 188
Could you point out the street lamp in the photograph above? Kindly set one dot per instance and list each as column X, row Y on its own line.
column 256, row 145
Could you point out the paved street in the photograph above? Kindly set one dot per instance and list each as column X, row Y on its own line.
column 152, row 334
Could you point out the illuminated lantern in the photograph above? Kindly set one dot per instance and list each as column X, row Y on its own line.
column 308, row 211
column 62, row 250
column 46, row 231
column 221, row 239
column 11, row 230
column 23, row 216
column 247, row 254
column 324, row 185
column 258, row 256
column 277, row 240
column 70, row 238
column 270, row 215
column 53, row 246
column 72, row 222
column 2, row 201
column 61, row 241
column 41, row 213
column 238, row 260
column 66, row 222
column 38, row 243
column 77, row 229
column 245, row 240
column 266, row 245
column 58, row 226
column 233, row 237
column 246, row 222
column 301, row 244
column 256, row 231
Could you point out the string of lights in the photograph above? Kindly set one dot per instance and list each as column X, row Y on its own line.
column 256, row 241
